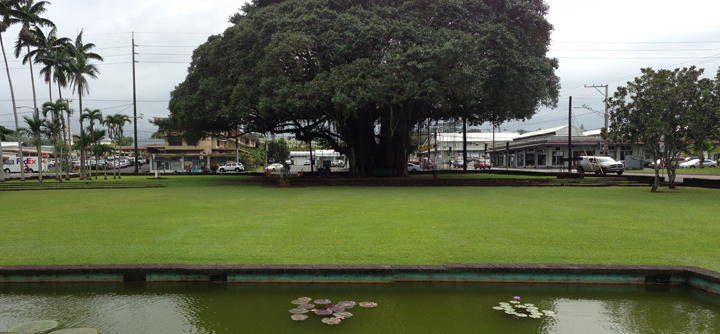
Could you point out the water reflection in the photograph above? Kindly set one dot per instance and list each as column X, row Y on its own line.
column 403, row 308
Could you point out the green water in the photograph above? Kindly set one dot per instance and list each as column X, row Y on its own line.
column 402, row 308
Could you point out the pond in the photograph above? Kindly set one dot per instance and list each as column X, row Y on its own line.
column 401, row 308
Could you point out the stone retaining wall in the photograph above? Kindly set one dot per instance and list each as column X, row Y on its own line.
column 455, row 272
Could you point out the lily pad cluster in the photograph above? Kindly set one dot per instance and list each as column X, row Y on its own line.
column 325, row 307
column 518, row 310
column 46, row 325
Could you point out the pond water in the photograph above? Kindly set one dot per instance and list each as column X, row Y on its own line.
column 402, row 308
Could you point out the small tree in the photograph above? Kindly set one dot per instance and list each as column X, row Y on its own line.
column 703, row 123
column 655, row 109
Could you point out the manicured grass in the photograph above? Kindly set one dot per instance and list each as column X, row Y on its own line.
column 699, row 171
column 472, row 175
column 217, row 220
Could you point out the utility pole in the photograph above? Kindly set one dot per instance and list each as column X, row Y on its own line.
column 465, row 160
column 570, row 152
column 606, row 108
column 134, row 105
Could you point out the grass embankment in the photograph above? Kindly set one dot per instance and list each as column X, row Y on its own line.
column 214, row 220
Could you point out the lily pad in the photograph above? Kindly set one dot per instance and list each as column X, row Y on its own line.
column 343, row 314
column 306, row 306
column 336, row 308
column 499, row 308
column 536, row 316
column 305, row 299
column 299, row 317
column 367, row 304
column 322, row 301
column 298, row 302
column 322, row 311
column 299, row 310
column 34, row 327
column 346, row 303
column 76, row 331
column 331, row 321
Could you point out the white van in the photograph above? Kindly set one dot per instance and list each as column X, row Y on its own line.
column 13, row 165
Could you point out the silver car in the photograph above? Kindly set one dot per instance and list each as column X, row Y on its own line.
column 599, row 165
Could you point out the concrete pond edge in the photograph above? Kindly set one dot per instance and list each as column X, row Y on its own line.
column 696, row 277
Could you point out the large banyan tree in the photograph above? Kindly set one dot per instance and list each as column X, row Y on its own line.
column 359, row 75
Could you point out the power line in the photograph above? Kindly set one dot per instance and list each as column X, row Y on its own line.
column 169, row 46
column 679, row 42
column 633, row 50
column 627, row 57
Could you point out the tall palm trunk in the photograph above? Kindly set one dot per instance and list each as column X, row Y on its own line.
column 38, row 147
column 82, row 142
column 67, row 137
column 2, row 165
column 12, row 97
column 92, row 148
column 105, row 166
column 36, row 112
column 59, row 159
column 120, row 142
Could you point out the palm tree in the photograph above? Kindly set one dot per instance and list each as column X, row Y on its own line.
column 117, row 122
column 79, row 67
column 81, row 142
column 55, row 58
column 50, row 52
column 34, row 128
column 56, row 109
column 29, row 15
column 49, row 130
column 103, row 150
column 10, row 17
column 92, row 115
column 68, row 146
column 3, row 133
column 109, row 122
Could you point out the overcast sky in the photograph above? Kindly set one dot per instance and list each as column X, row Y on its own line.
column 596, row 42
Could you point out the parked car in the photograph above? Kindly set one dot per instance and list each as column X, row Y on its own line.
column 482, row 164
column 599, row 165
column 413, row 167
column 429, row 165
column 231, row 167
column 274, row 167
column 695, row 163
column 306, row 163
column 459, row 163
column 676, row 160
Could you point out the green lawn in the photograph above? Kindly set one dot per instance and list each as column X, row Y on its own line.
column 216, row 220
column 699, row 171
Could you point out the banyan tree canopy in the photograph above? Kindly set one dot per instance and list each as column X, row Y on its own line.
column 359, row 75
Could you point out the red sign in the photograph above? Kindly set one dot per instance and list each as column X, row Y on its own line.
column 45, row 155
